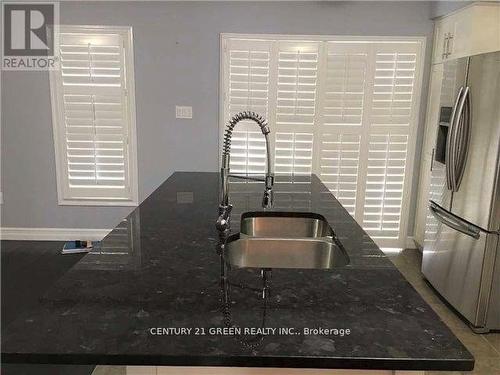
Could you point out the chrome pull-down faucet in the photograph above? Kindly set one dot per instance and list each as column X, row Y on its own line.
column 267, row 200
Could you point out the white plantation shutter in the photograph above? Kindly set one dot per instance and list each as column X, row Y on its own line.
column 296, row 96
column 384, row 185
column 94, row 127
column 343, row 109
column 342, row 127
column 346, row 74
column 391, row 114
column 247, row 88
column 293, row 152
column 339, row 166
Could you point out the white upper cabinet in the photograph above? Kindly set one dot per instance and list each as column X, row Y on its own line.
column 472, row 30
column 441, row 39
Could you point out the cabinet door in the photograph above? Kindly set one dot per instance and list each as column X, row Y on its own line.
column 431, row 124
column 461, row 32
column 471, row 31
column 441, row 30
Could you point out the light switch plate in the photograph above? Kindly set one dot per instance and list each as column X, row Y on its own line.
column 183, row 111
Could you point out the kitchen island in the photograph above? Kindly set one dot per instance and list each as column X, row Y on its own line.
column 151, row 295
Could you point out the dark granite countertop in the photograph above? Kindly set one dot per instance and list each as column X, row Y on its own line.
column 159, row 269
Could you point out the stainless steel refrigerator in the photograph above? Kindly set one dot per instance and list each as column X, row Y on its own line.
column 461, row 255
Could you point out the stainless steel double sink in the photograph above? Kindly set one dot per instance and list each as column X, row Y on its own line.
column 284, row 240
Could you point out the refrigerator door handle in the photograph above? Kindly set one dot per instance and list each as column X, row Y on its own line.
column 456, row 143
column 462, row 139
column 432, row 158
column 449, row 143
column 453, row 221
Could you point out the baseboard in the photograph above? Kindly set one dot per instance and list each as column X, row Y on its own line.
column 52, row 234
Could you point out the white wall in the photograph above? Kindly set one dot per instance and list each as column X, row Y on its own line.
column 176, row 62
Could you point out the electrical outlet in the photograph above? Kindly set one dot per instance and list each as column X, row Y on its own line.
column 183, row 111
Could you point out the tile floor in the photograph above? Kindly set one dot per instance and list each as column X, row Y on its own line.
column 485, row 348
column 110, row 370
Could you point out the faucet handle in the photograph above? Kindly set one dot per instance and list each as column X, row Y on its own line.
column 269, row 181
column 223, row 222
column 268, row 198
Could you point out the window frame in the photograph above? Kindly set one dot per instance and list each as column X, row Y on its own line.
column 415, row 115
column 58, row 122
